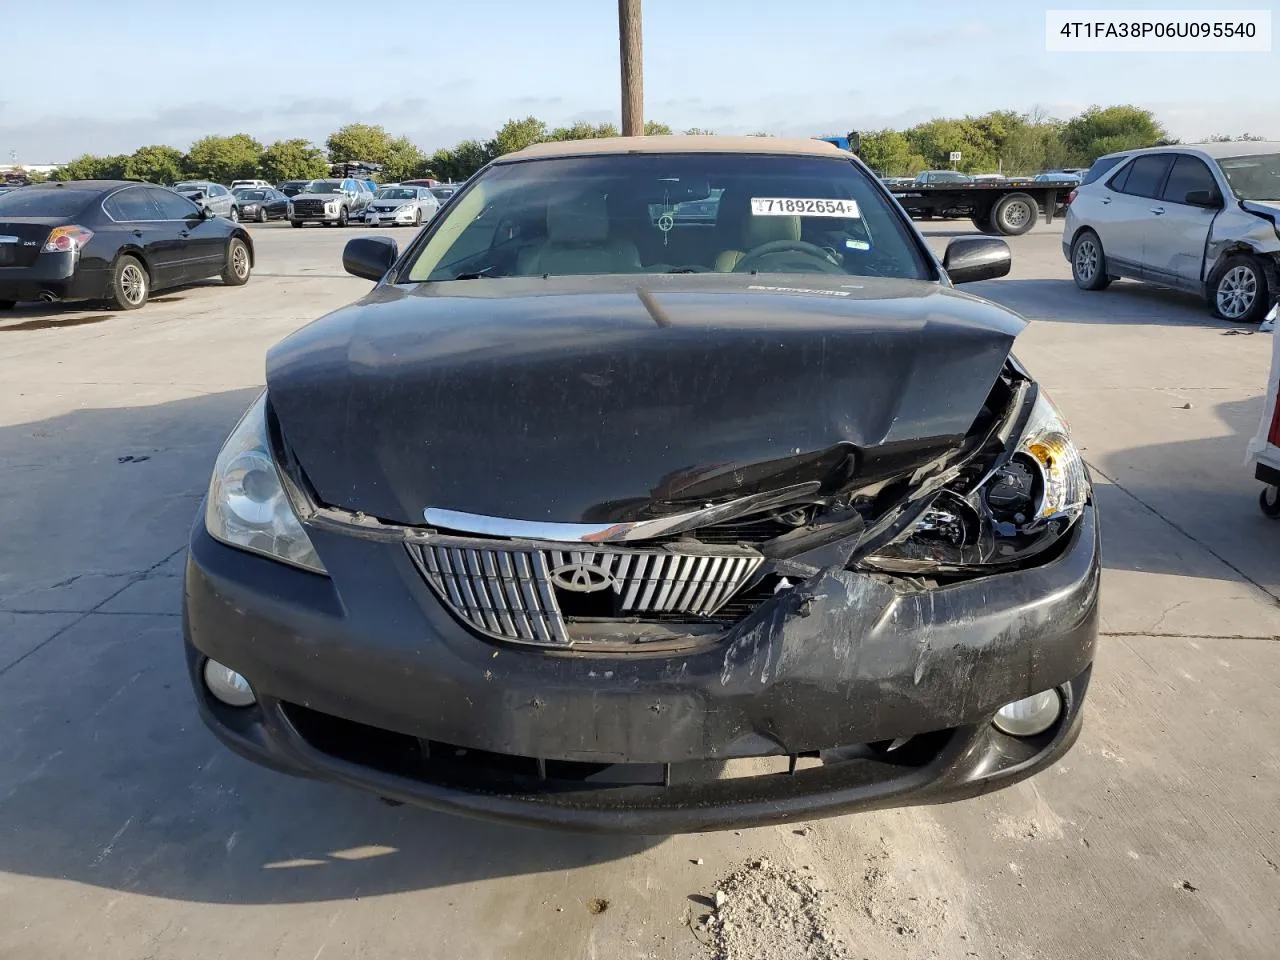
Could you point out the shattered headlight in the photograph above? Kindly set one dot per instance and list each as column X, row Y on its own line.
column 247, row 506
column 1021, row 509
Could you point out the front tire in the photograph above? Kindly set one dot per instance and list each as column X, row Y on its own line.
column 1088, row 262
column 129, row 287
column 1238, row 291
column 417, row 217
column 1269, row 501
column 1014, row 214
column 296, row 223
column 262, row 214
column 234, row 215
column 238, row 265
column 343, row 219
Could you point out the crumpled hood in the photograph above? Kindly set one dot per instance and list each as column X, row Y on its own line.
column 610, row 398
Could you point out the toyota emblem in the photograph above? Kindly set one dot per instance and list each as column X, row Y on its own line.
column 583, row 577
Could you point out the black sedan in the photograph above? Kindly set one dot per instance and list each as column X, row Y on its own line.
column 581, row 507
column 111, row 240
column 261, row 205
column 291, row 188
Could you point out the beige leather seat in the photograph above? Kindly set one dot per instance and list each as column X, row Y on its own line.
column 578, row 241
column 753, row 232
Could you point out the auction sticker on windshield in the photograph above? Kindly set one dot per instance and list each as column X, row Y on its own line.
column 803, row 207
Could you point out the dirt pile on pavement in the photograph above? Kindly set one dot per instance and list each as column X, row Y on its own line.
column 763, row 912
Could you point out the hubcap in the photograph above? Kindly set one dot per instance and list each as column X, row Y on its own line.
column 1237, row 290
column 1016, row 214
column 240, row 261
column 133, row 283
column 235, row 215
column 1086, row 259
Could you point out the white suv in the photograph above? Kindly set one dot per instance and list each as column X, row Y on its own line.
column 1201, row 218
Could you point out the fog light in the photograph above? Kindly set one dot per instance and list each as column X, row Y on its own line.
column 227, row 685
column 1026, row 718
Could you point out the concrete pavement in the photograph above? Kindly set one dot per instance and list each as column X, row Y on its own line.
column 127, row 832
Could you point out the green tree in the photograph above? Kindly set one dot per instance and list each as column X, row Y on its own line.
column 1101, row 130
column 293, row 159
column 223, row 159
column 402, row 161
column 652, row 128
column 698, row 131
column 359, row 141
column 760, row 133
column 584, row 131
column 90, row 167
column 155, row 164
column 888, row 152
column 459, row 162
column 517, row 134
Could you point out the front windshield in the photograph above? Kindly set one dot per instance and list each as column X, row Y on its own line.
column 671, row 213
column 243, row 194
column 324, row 186
column 396, row 193
column 190, row 186
column 444, row 193
column 1253, row 178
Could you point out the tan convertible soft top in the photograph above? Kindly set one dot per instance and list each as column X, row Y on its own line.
column 674, row 144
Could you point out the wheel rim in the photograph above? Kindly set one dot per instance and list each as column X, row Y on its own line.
column 1016, row 214
column 235, row 215
column 1086, row 260
column 1237, row 290
column 133, row 283
column 239, row 260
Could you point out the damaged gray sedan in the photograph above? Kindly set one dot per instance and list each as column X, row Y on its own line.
column 601, row 515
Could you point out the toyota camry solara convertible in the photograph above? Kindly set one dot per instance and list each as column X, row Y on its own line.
column 598, row 513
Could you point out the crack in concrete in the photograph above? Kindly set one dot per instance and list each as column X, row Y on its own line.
column 1273, row 598
column 132, row 579
column 1274, row 638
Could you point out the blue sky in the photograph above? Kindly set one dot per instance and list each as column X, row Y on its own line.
column 115, row 76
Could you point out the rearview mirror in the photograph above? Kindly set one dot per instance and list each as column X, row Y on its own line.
column 1204, row 198
column 976, row 258
column 369, row 257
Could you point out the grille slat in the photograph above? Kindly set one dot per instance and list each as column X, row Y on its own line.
column 507, row 592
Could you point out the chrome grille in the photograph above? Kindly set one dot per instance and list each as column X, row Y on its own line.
column 511, row 591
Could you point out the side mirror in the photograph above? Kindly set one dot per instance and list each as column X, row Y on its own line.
column 202, row 211
column 369, row 257
column 1211, row 199
column 976, row 258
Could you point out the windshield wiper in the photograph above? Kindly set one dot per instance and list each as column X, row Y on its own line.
column 477, row 275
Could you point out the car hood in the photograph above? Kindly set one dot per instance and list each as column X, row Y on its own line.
column 606, row 399
column 1268, row 208
column 305, row 195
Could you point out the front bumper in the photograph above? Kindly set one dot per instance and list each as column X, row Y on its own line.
column 399, row 217
column 62, row 275
column 364, row 678
column 324, row 217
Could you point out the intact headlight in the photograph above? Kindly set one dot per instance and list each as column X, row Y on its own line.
column 1026, row 504
column 247, row 507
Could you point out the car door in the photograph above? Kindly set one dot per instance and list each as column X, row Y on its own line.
column 138, row 223
column 1123, row 214
column 203, row 238
column 223, row 200
column 1174, row 243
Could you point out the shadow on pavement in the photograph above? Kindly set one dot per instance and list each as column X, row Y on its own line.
column 1124, row 302
column 107, row 776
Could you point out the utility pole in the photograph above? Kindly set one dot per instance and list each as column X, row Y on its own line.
column 631, row 47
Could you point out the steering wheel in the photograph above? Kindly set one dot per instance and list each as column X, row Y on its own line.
column 776, row 247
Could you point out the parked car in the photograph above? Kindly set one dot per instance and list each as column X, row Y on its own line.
column 214, row 197
column 1057, row 176
column 291, row 188
column 261, row 204
column 402, row 206
column 1197, row 217
column 330, row 202
column 259, row 184
column 936, row 177
column 112, row 240
column 444, row 191
column 574, row 507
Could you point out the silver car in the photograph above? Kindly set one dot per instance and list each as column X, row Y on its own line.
column 402, row 206
column 1196, row 217
column 214, row 197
